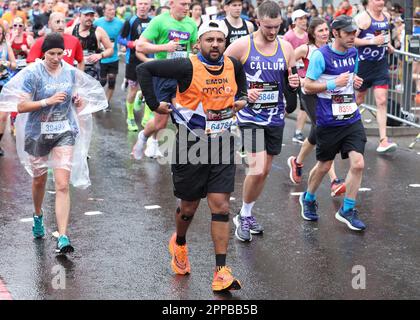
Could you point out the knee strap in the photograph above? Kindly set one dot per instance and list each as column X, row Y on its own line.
column 220, row 217
column 111, row 82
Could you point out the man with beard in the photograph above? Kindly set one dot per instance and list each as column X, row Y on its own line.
column 91, row 38
column 268, row 63
column 72, row 48
column 204, row 110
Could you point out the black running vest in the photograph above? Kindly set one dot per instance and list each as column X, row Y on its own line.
column 235, row 33
column 89, row 43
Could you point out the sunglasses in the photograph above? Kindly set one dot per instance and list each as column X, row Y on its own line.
column 18, row 25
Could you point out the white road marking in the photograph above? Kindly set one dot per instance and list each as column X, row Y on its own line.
column 95, row 199
column 232, row 199
column 93, row 213
column 55, row 234
column 415, row 185
column 296, row 193
column 365, row 189
column 151, row 207
column 27, row 220
column 51, row 192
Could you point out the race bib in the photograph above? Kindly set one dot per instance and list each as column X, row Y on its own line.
column 269, row 96
column 21, row 63
column 55, row 127
column 343, row 106
column 218, row 121
column 180, row 52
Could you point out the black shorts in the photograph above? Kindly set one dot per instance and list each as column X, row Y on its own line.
column 257, row 138
column 165, row 89
column 309, row 102
column 130, row 71
column 42, row 147
column 109, row 68
column 373, row 73
column 332, row 140
column 193, row 180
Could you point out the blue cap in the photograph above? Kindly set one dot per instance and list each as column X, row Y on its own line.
column 86, row 10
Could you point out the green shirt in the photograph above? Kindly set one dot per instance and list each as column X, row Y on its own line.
column 165, row 28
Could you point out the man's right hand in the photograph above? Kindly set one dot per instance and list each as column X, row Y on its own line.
column 163, row 108
column 59, row 97
column 379, row 40
column 342, row 80
column 171, row 46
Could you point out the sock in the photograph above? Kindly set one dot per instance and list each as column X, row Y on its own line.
column 298, row 131
column 220, row 261
column 180, row 240
column 310, row 197
column 348, row 204
column 246, row 209
column 130, row 110
column 142, row 136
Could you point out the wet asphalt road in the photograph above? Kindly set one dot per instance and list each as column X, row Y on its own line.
column 122, row 253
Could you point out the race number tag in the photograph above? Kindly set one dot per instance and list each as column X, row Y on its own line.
column 218, row 121
column 55, row 127
column 269, row 96
column 180, row 52
column 343, row 106
column 21, row 63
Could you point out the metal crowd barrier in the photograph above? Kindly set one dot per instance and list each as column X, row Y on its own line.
column 404, row 70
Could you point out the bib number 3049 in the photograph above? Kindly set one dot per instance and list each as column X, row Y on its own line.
column 55, row 127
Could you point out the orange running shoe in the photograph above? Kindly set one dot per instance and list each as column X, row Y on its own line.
column 179, row 262
column 338, row 188
column 224, row 280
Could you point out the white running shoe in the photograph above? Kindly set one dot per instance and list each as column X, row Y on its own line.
column 152, row 150
column 138, row 149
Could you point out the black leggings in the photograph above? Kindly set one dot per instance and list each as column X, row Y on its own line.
column 309, row 102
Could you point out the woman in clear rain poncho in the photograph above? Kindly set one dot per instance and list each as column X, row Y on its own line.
column 55, row 102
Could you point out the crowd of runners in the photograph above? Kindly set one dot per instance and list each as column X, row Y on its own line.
column 219, row 72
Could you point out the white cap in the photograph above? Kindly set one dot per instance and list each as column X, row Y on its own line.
column 212, row 25
column 298, row 14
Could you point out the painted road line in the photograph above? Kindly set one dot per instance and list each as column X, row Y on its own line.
column 27, row 220
column 152, row 207
column 93, row 213
column 95, row 199
column 51, row 192
column 232, row 199
column 365, row 189
column 415, row 185
column 55, row 234
column 4, row 293
column 296, row 193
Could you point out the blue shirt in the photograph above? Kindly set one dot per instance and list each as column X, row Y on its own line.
column 113, row 29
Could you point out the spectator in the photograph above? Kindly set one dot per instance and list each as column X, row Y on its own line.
column 13, row 12
column 345, row 8
column 329, row 14
column 196, row 10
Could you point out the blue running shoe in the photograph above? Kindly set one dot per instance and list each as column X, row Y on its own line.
column 242, row 231
column 351, row 219
column 309, row 208
column 63, row 245
column 38, row 229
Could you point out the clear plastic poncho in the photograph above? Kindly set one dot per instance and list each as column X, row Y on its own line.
column 55, row 136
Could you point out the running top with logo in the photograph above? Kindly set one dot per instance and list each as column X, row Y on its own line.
column 72, row 50
column 265, row 72
column 52, row 121
column 131, row 31
column 113, row 29
column 164, row 28
column 204, row 97
column 375, row 52
column 235, row 33
column 334, row 107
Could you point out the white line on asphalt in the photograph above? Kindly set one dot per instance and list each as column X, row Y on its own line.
column 55, row 234
column 27, row 220
column 93, row 213
column 296, row 193
column 95, row 199
column 152, row 207
column 365, row 189
column 232, row 199
column 51, row 192
column 415, row 185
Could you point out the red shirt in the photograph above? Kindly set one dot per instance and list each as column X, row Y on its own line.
column 72, row 50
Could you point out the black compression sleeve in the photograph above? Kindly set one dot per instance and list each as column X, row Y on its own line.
column 290, row 94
